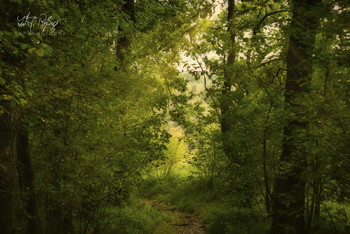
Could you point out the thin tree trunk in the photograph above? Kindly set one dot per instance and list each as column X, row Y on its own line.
column 318, row 204
column 226, row 101
column 289, row 193
column 266, row 177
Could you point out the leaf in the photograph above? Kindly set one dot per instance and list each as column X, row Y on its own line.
column 45, row 50
column 40, row 52
column 23, row 46
column 31, row 50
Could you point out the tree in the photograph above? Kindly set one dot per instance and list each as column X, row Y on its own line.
column 226, row 102
column 15, row 163
column 289, row 192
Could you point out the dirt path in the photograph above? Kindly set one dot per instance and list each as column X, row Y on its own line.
column 181, row 223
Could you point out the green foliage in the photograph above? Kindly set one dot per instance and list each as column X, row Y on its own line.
column 101, row 126
column 222, row 219
column 175, row 154
column 335, row 218
column 94, row 125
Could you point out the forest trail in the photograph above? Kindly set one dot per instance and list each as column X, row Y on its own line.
column 181, row 222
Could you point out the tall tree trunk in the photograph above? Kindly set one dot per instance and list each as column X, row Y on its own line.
column 226, row 100
column 26, row 177
column 9, row 123
column 289, row 193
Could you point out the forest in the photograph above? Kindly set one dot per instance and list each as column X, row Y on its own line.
column 175, row 116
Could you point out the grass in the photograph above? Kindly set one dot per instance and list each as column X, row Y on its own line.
column 136, row 216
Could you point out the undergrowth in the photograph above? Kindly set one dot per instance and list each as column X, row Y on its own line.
column 136, row 216
column 222, row 212
column 218, row 212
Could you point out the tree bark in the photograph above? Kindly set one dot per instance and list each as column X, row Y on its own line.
column 289, row 193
